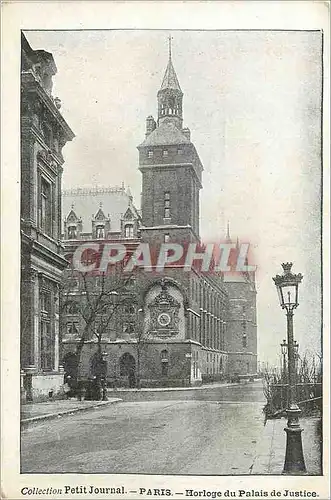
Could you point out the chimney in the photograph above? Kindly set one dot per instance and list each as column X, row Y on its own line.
column 186, row 131
column 150, row 125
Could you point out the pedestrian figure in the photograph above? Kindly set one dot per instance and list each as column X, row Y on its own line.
column 66, row 387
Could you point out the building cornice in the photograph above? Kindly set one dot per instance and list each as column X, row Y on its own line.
column 30, row 84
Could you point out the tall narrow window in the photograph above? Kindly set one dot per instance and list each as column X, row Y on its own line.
column 45, row 205
column 166, row 238
column 150, row 154
column 167, row 205
column 72, row 232
column 46, row 337
column 165, row 153
column 164, row 362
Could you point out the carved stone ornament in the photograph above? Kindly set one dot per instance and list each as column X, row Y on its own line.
column 164, row 313
column 46, row 157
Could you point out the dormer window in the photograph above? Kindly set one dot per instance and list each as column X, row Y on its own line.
column 165, row 153
column 129, row 231
column 150, row 154
column 100, row 232
column 72, row 233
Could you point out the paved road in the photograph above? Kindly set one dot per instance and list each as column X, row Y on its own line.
column 248, row 392
column 186, row 434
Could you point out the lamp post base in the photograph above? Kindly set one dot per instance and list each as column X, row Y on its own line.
column 294, row 460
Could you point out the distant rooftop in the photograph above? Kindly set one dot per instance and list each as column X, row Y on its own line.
column 86, row 201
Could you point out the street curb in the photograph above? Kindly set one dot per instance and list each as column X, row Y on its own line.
column 166, row 389
column 51, row 416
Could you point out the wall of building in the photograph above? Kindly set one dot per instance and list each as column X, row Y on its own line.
column 241, row 338
column 173, row 179
column 152, row 361
column 44, row 133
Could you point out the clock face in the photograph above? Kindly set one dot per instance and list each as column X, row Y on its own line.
column 164, row 319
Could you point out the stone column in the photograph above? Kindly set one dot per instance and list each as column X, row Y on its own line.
column 34, row 193
column 29, row 326
column 56, row 327
column 36, row 323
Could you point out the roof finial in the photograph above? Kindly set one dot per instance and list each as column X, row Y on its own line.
column 169, row 40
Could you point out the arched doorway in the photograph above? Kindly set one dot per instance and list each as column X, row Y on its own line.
column 128, row 368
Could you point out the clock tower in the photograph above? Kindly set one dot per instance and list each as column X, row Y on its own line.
column 171, row 170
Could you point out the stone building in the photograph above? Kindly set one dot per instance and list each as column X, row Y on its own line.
column 44, row 132
column 178, row 328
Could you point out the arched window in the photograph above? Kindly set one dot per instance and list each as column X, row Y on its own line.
column 127, row 365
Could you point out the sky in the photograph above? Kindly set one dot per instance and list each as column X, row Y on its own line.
column 252, row 100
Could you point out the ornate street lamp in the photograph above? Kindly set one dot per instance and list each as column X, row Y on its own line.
column 283, row 347
column 287, row 287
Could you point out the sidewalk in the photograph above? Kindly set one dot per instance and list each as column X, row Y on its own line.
column 271, row 448
column 35, row 412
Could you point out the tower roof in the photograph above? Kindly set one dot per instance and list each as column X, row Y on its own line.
column 165, row 135
column 170, row 80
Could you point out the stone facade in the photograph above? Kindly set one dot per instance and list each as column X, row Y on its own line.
column 180, row 327
column 44, row 133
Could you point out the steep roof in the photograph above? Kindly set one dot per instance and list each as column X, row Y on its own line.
column 165, row 135
column 86, row 201
column 170, row 80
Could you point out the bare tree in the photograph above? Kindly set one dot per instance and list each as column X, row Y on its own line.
column 99, row 297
